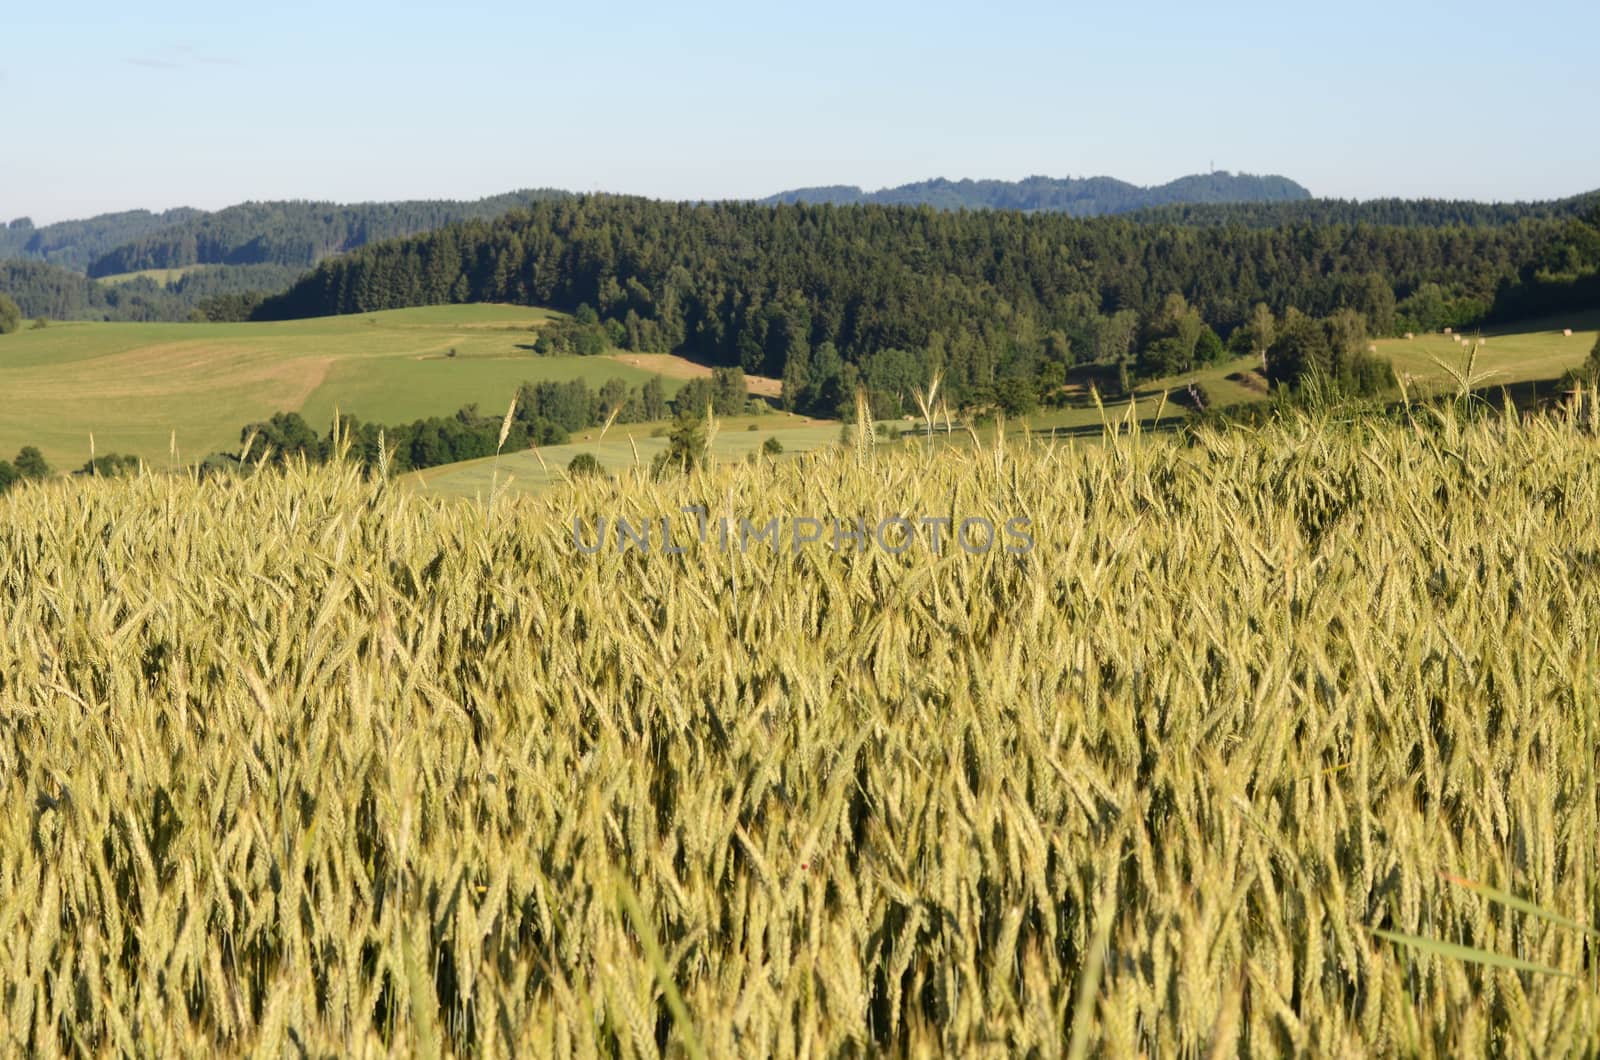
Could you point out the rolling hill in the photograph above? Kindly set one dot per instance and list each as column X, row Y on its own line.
column 1078, row 196
column 296, row 234
column 132, row 386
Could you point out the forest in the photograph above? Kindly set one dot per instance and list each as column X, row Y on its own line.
column 224, row 292
column 294, row 234
column 1078, row 196
column 827, row 297
column 1394, row 213
column 74, row 244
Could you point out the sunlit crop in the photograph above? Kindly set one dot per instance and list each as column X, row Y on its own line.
column 303, row 761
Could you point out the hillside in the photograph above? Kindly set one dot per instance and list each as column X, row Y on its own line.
column 829, row 298
column 74, row 244
column 42, row 289
column 297, row 234
column 1077, row 196
column 131, row 386
column 1399, row 213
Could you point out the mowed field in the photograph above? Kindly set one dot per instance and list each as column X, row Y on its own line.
column 624, row 446
column 1538, row 352
column 1528, row 352
column 134, row 385
column 161, row 276
column 1532, row 353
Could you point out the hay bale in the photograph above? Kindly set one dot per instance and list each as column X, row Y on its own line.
column 1567, row 332
column 1448, row 331
column 1372, row 347
column 1410, row 336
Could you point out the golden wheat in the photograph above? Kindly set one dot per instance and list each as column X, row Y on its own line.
column 302, row 762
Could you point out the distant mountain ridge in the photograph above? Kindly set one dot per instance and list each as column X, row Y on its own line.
column 1076, row 196
column 288, row 233
column 298, row 234
column 74, row 244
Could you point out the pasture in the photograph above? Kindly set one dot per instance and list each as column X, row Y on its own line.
column 133, row 386
column 160, row 276
column 624, row 447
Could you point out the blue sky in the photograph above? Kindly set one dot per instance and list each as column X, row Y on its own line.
column 112, row 106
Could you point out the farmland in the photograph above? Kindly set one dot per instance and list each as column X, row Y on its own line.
column 134, row 385
column 622, row 447
column 302, row 760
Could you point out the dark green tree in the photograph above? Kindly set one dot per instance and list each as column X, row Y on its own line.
column 693, row 398
column 613, row 396
column 1209, row 349
column 1300, row 349
column 653, row 399
column 585, row 465
column 10, row 315
column 1017, row 395
column 686, row 447
column 30, row 463
column 729, row 391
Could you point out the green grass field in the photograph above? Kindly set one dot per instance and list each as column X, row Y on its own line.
column 1533, row 353
column 133, row 385
column 160, row 276
column 624, row 446
column 1538, row 354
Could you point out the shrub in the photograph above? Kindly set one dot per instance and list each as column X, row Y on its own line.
column 31, row 464
column 110, row 465
column 585, row 465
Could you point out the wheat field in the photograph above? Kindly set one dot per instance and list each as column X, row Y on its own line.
column 306, row 764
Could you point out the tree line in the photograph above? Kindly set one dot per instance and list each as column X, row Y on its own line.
column 828, row 297
column 74, row 244
column 293, row 234
column 217, row 293
column 545, row 413
column 1392, row 213
column 1078, row 196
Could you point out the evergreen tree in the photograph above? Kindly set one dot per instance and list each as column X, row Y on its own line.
column 30, row 463
column 729, row 392
column 693, row 398
column 1300, row 350
column 653, row 399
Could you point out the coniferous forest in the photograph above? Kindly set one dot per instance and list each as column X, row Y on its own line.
column 826, row 297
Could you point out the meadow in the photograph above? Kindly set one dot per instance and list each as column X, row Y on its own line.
column 1530, row 352
column 622, row 448
column 160, row 276
column 134, row 385
column 305, row 762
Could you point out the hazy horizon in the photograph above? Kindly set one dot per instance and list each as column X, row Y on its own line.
column 197, row 106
